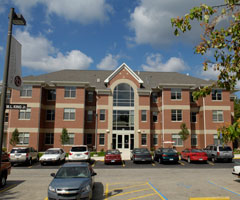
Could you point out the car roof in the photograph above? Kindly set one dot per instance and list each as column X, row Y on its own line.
column 76, row 164
column 79, row 146
column 21, row 147
column 53, row 149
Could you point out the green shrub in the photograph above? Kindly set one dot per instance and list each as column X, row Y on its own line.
column 236, row 150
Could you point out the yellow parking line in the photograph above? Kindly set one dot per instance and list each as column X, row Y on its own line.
column 130, row 192
column 106, row 192
column 153, row 164
column 181, row 163
column 210, row 163
column 94, row 163
column 140, row 197
column 8, row 188
column 155, row 191
column 30, row 167
column 123, row 163
column 127, row 187
column 46, row 198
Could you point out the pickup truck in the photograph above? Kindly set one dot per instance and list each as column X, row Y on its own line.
column 5, row 169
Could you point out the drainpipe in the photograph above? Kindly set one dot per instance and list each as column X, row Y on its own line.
column 39, row 119
column 162, row 118
column 204, row 123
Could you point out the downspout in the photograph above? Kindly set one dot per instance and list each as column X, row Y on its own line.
column 162, row 118
column 39, row 119
column 204, row 123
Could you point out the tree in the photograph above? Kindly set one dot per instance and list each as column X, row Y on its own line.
column 15, row 137
column 184, row 133
column 224, row 40
column 236, row 109
column 64, row 137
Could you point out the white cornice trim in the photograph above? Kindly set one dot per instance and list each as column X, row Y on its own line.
column 70, row 83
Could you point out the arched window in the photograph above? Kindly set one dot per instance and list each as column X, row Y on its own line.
column 123, row 95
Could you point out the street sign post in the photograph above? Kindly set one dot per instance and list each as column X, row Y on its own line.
column 16, row 106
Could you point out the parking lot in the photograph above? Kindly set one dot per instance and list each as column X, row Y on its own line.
column 128, row 181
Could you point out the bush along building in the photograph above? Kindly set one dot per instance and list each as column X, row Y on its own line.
column 119, row 109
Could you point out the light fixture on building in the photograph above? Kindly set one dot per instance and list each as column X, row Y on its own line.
column 139, row 131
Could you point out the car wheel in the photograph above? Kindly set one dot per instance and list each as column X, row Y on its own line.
column 213, row 159
column 189, row 160
column 3, row 180
column 30, row 162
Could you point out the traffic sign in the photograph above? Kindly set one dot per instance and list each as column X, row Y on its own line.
column 16, row 106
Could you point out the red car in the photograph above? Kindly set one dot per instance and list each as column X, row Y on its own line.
column 194, row 155
column 112, row 156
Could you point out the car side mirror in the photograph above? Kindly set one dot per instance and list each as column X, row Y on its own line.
column 94, row 174
column 53, row 174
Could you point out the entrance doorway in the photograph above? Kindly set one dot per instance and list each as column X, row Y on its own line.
column 123, row 141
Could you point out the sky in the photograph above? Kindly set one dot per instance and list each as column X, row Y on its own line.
column 103, row 34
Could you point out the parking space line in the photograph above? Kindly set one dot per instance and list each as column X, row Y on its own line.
column 123, row 163
column 153, row 164
column 140, row 197
column 94, row 163
column 130, row 192
column 127, row 187
column 29, row 167
column 106, row 192
column 157, row 192
column 8, row 188
column 46, row 198
column 238, row 194
column 181, row 163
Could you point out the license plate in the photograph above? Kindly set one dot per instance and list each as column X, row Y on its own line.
column 200, row 159
column 143, row 160
column 171, row 159
column 112, row 160
column 78, row 155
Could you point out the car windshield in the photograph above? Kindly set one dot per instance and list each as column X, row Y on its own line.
column 73, row 172
column 138, row 151
column 168, row 151
column 19, row 151
column 112, row 152
column 79, row 149
column 225, row 148
column 196, row 150
column 52, row 152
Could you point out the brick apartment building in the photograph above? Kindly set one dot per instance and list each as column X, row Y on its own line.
column 119, row 109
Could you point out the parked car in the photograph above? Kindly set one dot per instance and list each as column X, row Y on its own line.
column 23, row 155
column 53, row 155
column 5, row 169
column 112, row 156
column 79, row 153
column 236, row 171
column 219, row 152
column 72, row 181
column 140, row 155
column 162, row 155
column 194, row 155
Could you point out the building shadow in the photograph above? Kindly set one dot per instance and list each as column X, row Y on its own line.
column 7, row 193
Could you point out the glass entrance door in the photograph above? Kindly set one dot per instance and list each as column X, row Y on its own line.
column 121, row 141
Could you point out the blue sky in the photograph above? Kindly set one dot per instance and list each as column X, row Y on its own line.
column 102, row 34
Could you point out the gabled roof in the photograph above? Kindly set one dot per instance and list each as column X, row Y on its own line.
column 124, row 65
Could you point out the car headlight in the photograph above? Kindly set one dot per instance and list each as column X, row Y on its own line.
column 86, row 188
column 52, row 189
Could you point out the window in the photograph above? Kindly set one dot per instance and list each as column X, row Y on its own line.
column 51, row 95
column 217, row 115
column 176, row 115
column 70, row 92
column 49, row 138
column 6, row 117
column 155, row 116
column 176, row 93
column 194, row 140
column 193, row 117
column 23, row 138
column 50, row 115
column 155, row 139
column 191, row 97
column 177, row 140
column 89, row 138
column 216, row 95
column 89, row 115
column 123, row 119
column 215, row 139
column 123, row 95
column 69, row 114
column 154, row 97
column 71, row 139
column 26, row 91
column 144, row 139
column 25, row 114
column 101, row 139
column 143, row 115
column 90, row 96
column 102, row 115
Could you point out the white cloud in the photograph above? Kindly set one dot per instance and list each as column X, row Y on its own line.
column 83, row 11
column 154, row 63
column 151, row 21
column 38, row 53
column 1, row 49
column 109, row 62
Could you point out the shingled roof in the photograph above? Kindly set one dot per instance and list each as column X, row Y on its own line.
column 96, row 78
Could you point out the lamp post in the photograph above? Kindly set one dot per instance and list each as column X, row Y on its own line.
column 16, row 19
